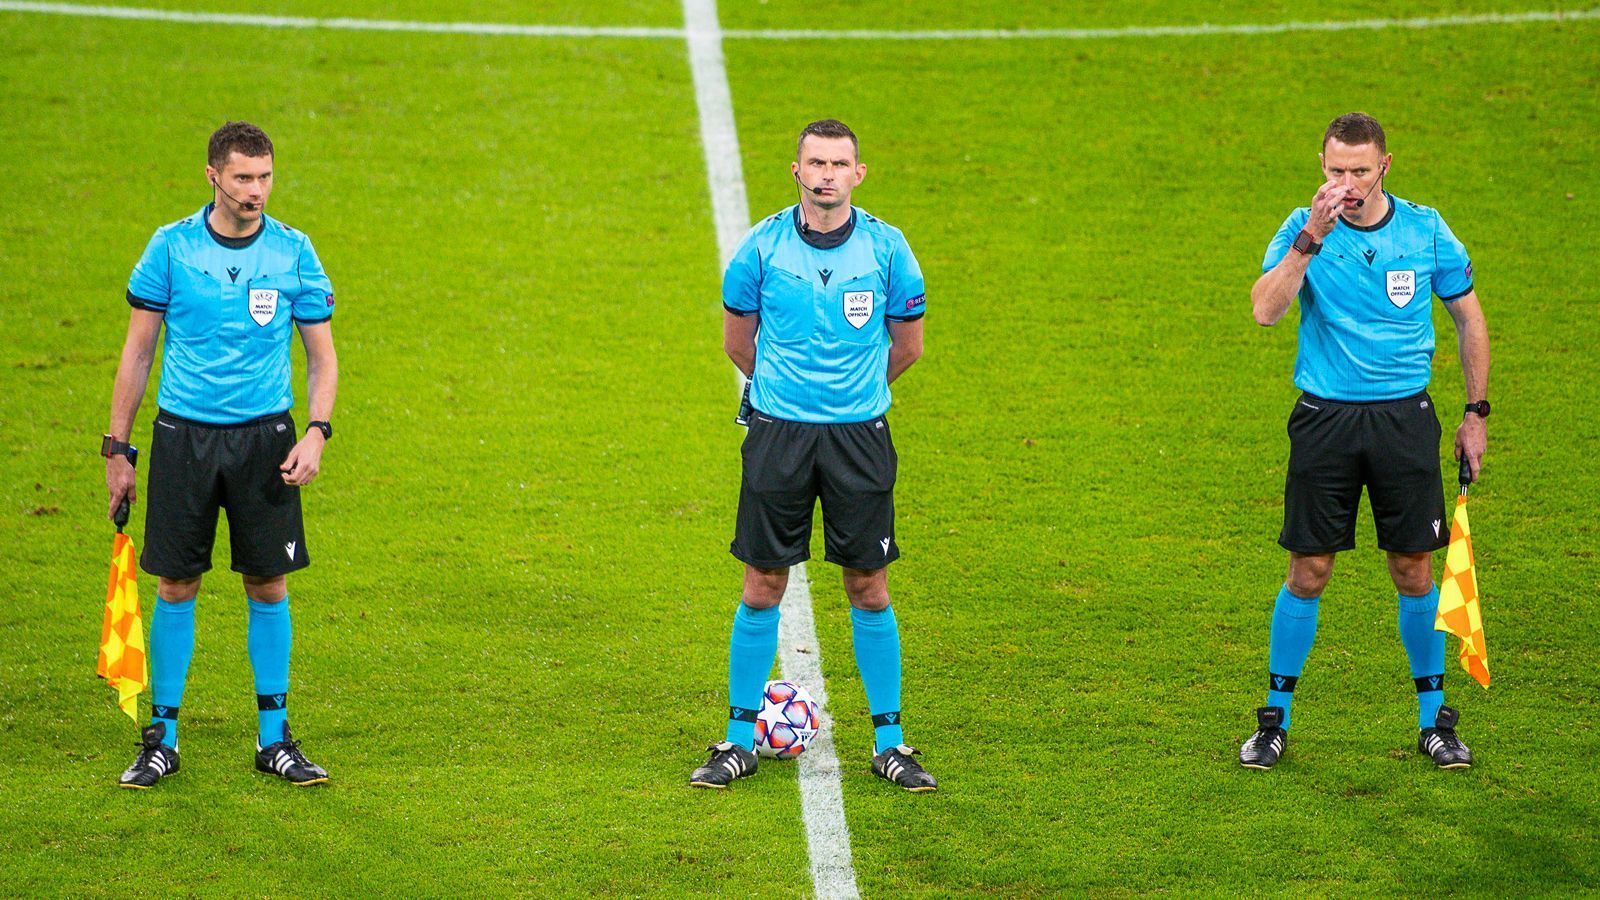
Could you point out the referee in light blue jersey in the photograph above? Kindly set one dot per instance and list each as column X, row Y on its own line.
column 1365, row 265
column 824, row 308
column 231, row 285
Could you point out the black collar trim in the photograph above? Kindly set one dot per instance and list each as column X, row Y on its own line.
column 232, row 243
column 1381, row 222
column 824, row 240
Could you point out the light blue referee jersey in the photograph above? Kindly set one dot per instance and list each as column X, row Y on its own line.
column 227, row 305
column 1366, row 319
column 822, row 351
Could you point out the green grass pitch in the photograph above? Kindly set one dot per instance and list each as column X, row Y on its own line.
column 511, row 647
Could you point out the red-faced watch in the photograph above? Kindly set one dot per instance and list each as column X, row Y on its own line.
column 110, row 446
column 1305, row 243
column 1481, row 408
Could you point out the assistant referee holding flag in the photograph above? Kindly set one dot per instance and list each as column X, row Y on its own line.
column 228, row 282
column 1364, row 265
column 824, row 309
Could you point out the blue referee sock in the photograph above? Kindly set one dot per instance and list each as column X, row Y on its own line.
column 1425, row 648
column 268, row 642
column 877, row 640
column 1294, row 628
column 751, row 650
column 171, row 648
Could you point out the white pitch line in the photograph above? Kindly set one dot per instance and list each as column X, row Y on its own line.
column 1145, row 31
column 971, row 34
column 833, row 874
column 260, row 21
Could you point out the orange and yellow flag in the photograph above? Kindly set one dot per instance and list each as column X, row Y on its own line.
column 1458, row 598
column 122, row 661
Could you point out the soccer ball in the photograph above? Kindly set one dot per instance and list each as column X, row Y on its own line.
column 787, row 723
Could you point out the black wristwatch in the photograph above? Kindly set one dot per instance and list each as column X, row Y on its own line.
column 1481, row 408
column 110, row 446
column 1305, row 243
column 325, row 427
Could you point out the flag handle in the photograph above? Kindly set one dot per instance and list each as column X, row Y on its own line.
column 745, row 409
column 1465, row 475
column 120, row 517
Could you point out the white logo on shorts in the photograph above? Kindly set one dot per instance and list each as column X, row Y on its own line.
column 1435, row 527
column 1402, row 286
column 263, row 306
column 289, row 546
column 857, row 307
column 885, row 543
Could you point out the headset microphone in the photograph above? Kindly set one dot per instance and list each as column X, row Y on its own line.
column 248, row 207
column 1363, row 201
column 805, row 227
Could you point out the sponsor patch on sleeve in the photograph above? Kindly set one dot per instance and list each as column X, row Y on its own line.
column 915, row 302
column 330, row 301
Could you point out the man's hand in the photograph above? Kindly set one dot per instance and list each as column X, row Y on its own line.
column 120, row 483
column 305, row 460
column 1472, row 438
column 1325, row 208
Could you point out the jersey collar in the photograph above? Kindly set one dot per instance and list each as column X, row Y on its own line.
column 1381, row 222
column 825, row 240
column 232, row 243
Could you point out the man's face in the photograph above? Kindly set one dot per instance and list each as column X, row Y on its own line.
column 1357, row 168
column 829, row 164
column 246, row 181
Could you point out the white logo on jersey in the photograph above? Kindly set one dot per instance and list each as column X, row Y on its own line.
column 289, row 546
column 263, row 306
column 857, row 307
column 1402, row 286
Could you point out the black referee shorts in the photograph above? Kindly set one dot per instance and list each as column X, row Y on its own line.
column 196, row 469
column 1391, row 447
column 788, row 466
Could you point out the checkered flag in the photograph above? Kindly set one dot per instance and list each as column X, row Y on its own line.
column 1459, row 613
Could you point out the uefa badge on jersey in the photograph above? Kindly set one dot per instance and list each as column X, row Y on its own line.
column 263, row 306
column 857, row 308
column 1402, row 287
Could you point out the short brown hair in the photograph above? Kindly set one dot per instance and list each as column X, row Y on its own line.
column 237, row 137
column 827, row 128
column 1355, row 129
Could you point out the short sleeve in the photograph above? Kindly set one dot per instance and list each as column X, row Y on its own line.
column 741, row 283
column 1284, row 239
column 150, row 285
column 1452, row 267
column 906, row 295
column 313, row 301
